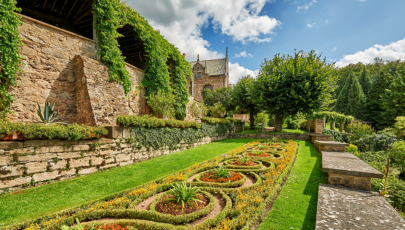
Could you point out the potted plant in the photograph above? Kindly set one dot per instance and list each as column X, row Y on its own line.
column 198, row 110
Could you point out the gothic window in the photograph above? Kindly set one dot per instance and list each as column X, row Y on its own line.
column 209, row 87
column 198, row 68
column 196, row 75
column 199, row 75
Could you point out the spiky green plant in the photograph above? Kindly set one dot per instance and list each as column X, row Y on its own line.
column 78, row 227
column 221, row 172
column 183, row 194
column 243, row 160
column 48, row 115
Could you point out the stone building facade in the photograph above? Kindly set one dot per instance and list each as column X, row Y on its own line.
column 208, row 74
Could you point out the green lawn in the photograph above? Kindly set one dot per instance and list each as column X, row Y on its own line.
column 54, row 197
column 295, row 207
column 256, row 131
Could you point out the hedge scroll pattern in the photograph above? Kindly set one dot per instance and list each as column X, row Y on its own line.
column 242, row 209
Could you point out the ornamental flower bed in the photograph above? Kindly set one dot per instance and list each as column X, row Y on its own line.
column 249, row 163
column 171, row 207
column 241, row 206
column 108, row 227
column 212, row 177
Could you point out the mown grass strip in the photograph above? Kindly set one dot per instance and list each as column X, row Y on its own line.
column 295, row 207
column 36, row 202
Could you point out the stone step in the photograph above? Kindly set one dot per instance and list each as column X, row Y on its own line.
column 320, row 137
column 348, row 170
column 345, row 208
column 330, row 146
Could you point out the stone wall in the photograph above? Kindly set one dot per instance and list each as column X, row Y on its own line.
column 23, row 163
column 62, row 68
column 316, row 126
column 303, row 137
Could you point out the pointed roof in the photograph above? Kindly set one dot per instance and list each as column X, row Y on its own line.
column 212, row 67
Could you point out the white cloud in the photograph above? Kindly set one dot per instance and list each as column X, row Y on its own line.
column 361, row 0
column 306, row 5
column 334, row 49
column 392, row 51
column 310, row 25
column 236, row 72
column 243, row 54
column 327, row 22
column 332, row 60
column 181, row 21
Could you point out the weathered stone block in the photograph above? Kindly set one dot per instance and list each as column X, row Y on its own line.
column 8, row 171
column 38, row 157
column 109, row 160
column 81, row 147
column 41, row 143
column 61, row 164
column 15, row 182
column 363, row 183
column 82, row 162
column 46, row 176
column 87, row 171
column 5, row 160
column 123, row 157
column 11, row 144
column 36, row 167
column 68, row 155
column 126, row 163
column 70, row 172
column 96, row 160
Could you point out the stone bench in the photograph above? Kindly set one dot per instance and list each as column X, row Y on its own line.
column 330, row 146
column 345, row 208
column 320, row 137
column 348, row 170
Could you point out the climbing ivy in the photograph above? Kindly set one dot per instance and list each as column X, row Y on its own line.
column 171, row 137
column 111, row 15
column 10, row 59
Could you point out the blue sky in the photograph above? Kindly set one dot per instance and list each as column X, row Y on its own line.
column 345, row 31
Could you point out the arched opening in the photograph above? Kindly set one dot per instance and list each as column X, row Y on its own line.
column 210, row 87
column 132, row 47
column 72, row 15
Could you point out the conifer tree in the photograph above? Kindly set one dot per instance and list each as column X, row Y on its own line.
column 365, row 81
column 393, row 100
column 351, row 99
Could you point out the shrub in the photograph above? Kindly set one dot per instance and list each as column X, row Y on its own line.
column 358, row 131
column 397, row 153
column 398, row 128
column 337, row 136
column 217, row 110
column 162, row 104
column 352, row 149
column 153, row 122
column 294, row 122
column 262, row 118
column 198, row 109
column 221, row 172
column 376, row 142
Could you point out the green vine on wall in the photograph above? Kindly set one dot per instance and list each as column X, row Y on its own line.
column 111, row 15
column 10, row 59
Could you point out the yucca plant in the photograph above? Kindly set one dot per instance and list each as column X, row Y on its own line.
column 48, row 115
column 221, row 172
column 243, row 160
column 183, row 194
column 78, row 227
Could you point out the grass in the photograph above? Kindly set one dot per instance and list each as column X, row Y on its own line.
column 40, row 201
column 295, row 207
column 258, row 131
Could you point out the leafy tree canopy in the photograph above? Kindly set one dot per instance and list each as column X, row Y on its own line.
column 241, row 97
column 290, row 84
column 220, row 95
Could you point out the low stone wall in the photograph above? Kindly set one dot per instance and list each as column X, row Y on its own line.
column 25, row 163
column 303, row 137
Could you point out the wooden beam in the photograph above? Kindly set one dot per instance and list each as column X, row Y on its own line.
column 53, row 5
column 63, row 7
column 71, row 9
column 44, row 4
column 80, row 10
column 81, row 27
column 89, row 19
column 83, row 15
column 44, row 15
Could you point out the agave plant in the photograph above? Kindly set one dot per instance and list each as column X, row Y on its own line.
column 48, row 114
column 78, row 227
column 221, row 172
column 183, row 194
column 243, row 160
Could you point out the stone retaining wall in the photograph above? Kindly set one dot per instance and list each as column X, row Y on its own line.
column 303, row 137
column 23, row 163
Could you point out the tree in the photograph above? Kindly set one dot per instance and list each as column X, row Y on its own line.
column 288, row 84
column 241, row 97
column 393, row 100
column 221, row 95
column 351, row 99
column 365, row 81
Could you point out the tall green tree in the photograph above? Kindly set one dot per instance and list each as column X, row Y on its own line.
column 393, row 100
column 241, row 97
column 374, row 105
column 365, row 80
column 221, row 95
column 351, row 99
column 288, row 84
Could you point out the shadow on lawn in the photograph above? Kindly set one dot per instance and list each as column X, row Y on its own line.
column 312, row 187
